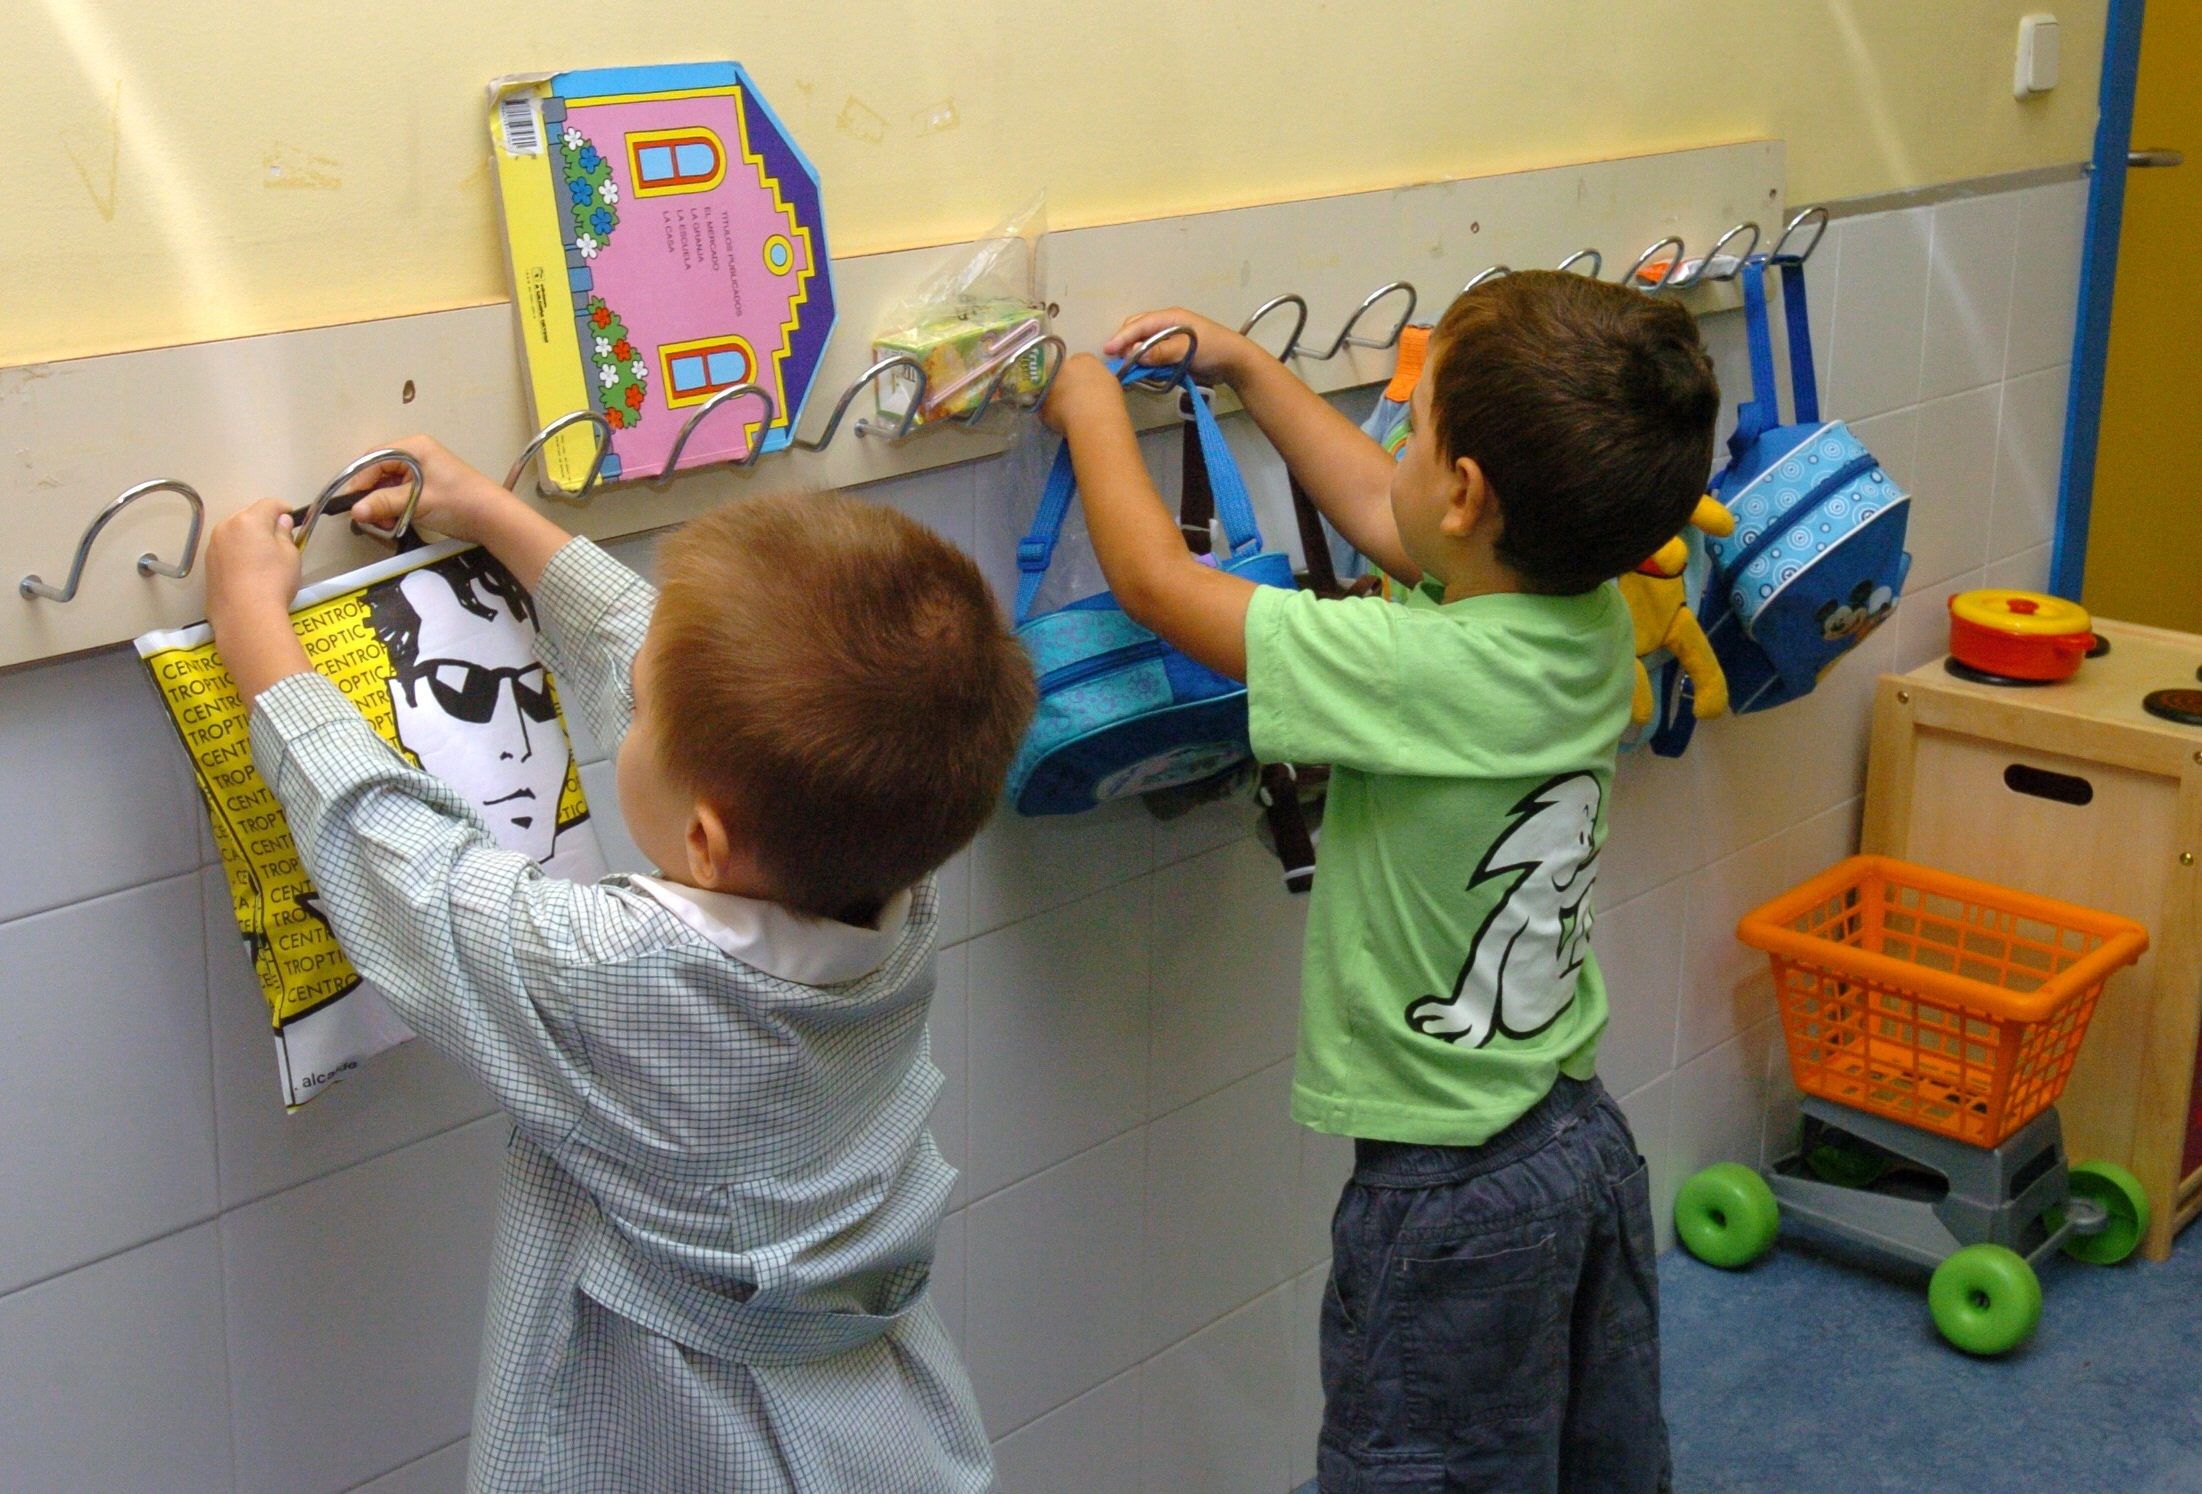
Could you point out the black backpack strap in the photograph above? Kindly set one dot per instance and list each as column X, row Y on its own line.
column 1278, row 788
column 1320, row 576
column 1196, row 504
column 1279, row 794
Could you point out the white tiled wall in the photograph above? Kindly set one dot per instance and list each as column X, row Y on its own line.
column 197, row 1292
column 1945, row 346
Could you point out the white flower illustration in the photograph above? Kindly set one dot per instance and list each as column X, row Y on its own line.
column 574, row 138
column 607, row 375
column 607, row 191
column 603, row 347
column 587, row 245
column 637, row 367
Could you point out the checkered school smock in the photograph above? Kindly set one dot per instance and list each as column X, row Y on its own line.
column 720, row 1198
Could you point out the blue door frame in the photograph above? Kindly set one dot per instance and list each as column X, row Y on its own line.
column 2106, row 202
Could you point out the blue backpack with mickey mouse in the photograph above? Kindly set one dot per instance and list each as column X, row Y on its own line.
column 1817, row 559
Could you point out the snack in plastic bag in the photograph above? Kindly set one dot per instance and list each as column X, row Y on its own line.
column 961, row 355
column 978, row 319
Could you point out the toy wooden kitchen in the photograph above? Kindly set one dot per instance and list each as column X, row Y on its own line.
column 2089, row 789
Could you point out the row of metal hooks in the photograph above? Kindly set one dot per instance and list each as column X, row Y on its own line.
column 339, row 496
column 1663, row 267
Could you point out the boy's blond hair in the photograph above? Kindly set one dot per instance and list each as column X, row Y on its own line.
column 838, row 681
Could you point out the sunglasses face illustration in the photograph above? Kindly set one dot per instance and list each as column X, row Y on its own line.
column 468, row 692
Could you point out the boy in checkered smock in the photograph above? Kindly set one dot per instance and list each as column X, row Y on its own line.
column 720, row 1199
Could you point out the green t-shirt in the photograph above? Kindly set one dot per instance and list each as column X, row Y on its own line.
column 1448, row 975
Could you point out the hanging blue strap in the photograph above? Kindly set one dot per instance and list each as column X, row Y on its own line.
column 1763, row 412
column 1674, row 720
column 1803, row 383
column 1674, row 712
column 1037, row 548
column 1234, row 508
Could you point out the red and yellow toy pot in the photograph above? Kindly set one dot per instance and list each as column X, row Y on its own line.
column 2020, row 635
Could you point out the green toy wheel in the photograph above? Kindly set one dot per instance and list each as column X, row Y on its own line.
column 1726, row 1215
column 1985, row 1299
column 2125, row 1206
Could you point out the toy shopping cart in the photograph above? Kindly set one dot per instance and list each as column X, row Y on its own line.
column 1931, row 1022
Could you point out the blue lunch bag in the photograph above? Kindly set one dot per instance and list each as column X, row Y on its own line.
column 1817, row 559
column 1121, row 712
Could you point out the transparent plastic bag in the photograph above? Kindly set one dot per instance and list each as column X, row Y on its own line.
column 970, row 320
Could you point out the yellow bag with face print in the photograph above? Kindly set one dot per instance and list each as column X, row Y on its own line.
column 436, row 647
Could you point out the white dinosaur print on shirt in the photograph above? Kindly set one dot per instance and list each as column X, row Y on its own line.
column 1521, row 968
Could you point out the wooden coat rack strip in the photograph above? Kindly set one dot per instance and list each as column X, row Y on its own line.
column 254, row 417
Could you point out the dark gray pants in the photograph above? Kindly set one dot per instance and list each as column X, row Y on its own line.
column 1492, row 1319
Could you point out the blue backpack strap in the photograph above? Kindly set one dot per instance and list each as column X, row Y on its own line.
column 1763, row 412
column 1802, row 381
column 1674, row 717
column 1674, row 712
column 1037, row 548
column 1234, row 508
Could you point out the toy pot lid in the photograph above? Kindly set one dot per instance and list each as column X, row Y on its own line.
column 2025, row 614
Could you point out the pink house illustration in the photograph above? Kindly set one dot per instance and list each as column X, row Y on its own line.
column 696, row 256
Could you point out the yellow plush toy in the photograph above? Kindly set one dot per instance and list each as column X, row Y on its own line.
column 1660, row 605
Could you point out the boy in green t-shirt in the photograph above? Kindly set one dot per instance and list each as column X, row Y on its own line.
column 1491, row 1320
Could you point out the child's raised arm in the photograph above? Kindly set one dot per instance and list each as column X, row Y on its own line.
column 1156, row 580
column 594, row 610
column 465, row 504
column 251, row 576
column 1347, row 474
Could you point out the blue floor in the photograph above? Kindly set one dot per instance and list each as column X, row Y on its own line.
column 1818, row 1369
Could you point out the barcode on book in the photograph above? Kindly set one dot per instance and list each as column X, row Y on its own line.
column 523, row 130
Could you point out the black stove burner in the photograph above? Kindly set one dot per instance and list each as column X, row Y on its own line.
column 1983, row 677
column 2182, row 706
column 2102, row 647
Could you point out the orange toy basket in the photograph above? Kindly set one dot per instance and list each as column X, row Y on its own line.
column 1948, row 1004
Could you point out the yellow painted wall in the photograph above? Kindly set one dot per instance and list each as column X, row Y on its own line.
column 186, row 170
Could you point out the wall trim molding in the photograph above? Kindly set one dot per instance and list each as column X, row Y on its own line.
column 1971, row 186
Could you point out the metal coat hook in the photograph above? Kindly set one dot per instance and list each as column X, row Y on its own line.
column 1143, row 373
column 865, row 427
column 1781, row 253
column 1483, row 275
column 1705, row 267
column 325, row 501
column 1597, row 262
column 149, row 564
column 1346, row 339
column 1292, row 343
column 1674, row 262
column 542, row 439
column 703, row 412
column 1038, row 396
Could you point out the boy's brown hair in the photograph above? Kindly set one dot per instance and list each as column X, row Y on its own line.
column 836, row 679
column 1589, row 407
